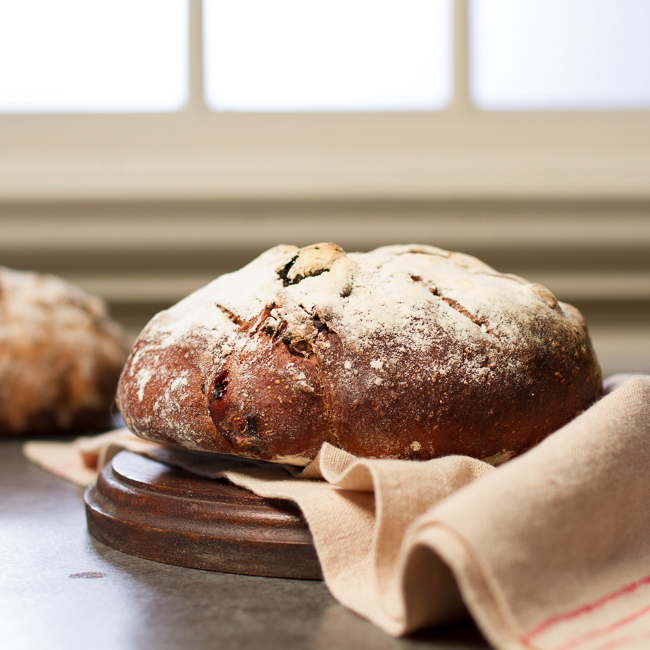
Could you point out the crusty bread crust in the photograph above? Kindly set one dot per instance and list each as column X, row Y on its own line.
column 60, row 357
column 404, row 352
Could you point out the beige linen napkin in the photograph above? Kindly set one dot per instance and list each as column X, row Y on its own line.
column 550, row 551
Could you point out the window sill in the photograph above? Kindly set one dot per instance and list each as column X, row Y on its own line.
column 397, row 175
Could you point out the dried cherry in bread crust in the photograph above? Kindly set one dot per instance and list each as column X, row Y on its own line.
column 60, row 357
column 406, row 352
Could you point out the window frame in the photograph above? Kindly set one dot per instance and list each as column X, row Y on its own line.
column 198, row 153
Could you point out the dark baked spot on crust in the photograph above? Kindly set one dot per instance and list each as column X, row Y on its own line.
column 319, row 324
column 220, row 385
column 283, row 273
column 251, row 423
column 216, row 403
column 297, row 345
column 313, row 274
column 242, row 432
column 249, row 440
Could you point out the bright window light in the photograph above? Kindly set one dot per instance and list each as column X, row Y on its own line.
column 76, row 56
column 560, row 54
column 303, row 55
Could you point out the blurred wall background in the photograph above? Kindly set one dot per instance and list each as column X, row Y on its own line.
column 144, row 256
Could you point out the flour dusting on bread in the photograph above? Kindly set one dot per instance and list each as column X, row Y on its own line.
column 305, row 345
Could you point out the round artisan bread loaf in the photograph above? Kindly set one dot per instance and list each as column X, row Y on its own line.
column 60, row 356
column 406, row 352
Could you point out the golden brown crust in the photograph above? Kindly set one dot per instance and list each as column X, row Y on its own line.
column 60, row 357
column 403, row 352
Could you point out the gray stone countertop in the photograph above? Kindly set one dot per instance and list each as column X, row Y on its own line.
column 62, row 590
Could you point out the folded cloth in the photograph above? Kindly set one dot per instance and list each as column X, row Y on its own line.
column 79, row 461
column 550, row 551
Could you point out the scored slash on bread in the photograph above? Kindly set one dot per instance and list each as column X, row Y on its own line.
column 406, row 352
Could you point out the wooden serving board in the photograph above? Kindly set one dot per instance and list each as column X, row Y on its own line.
column 145, row 508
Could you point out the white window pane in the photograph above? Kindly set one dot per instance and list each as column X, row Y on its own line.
column 295, row 55
column 93, row 56
column 560, row 54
